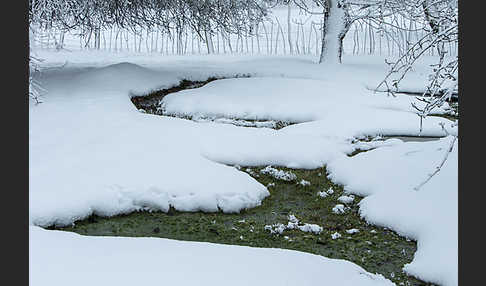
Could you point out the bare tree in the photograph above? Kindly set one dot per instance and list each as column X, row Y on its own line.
column 339, row 16
column 441, row 26
column 205, row 17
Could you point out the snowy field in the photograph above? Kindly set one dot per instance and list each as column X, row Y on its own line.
column 57, row 258
column 92, row 152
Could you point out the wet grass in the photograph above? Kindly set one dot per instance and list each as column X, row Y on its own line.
column 378, row 250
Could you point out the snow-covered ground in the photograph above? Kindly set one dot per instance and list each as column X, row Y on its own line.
column 63, row 258
column 91, row 151
column 288, row 99
column 428, row 215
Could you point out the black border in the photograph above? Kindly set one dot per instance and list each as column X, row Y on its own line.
column 15, row 200
column 469, row 207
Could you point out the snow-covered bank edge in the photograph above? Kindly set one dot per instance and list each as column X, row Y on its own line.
column 428, row 215
column 57, row 258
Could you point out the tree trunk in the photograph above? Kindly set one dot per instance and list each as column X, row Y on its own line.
column 428, row 11
column 209, row 42
column 289, row 31
column 336, row 25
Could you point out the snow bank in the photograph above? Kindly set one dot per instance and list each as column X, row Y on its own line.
column 60, row 258
column 261, row 147
column 90, row 151
column 287, row 99
column 387, row 176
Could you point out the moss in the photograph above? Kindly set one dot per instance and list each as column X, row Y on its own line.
column 378, row 250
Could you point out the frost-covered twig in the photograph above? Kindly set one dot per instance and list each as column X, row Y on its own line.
column 432, row 103
column 35, row 89
column 446, row 155
column 442, row 16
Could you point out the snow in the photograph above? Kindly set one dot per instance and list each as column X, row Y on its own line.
column 237, row 122
column 294, row 223
column 292, row 218
column 304, row 183
column 276, row 228
column 346, row 199
column 375, row 143
column 60, row 258
column 336, row 235
column 428, row 215
column 278, row 174
column 91, row 151
column 338, row 209
column 309, row 227
column 322, row 194
column 300, row 100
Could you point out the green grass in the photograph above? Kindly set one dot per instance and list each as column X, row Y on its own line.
column 382, row 252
